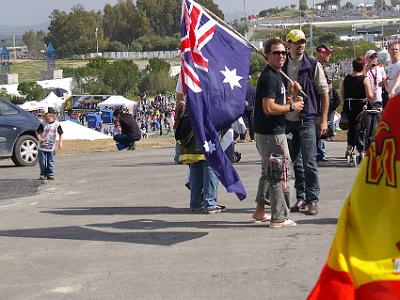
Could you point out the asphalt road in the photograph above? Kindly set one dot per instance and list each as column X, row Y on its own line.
column 117, row 226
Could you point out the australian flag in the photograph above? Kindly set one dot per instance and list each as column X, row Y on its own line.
column 214, row 71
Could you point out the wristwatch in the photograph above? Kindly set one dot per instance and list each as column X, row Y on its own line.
column 292, row 107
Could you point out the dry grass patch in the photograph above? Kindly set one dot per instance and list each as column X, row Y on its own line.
column 84, row 146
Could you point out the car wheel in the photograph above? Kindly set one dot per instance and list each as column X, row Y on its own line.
column 25, row 151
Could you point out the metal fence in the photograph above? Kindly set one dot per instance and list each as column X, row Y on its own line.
column 132, row 55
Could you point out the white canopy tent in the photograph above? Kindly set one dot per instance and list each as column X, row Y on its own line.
column 74, row 131
column 117, row 101
column 52, row 101
column 32, row 105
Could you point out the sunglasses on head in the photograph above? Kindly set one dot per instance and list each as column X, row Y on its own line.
column 277, row 53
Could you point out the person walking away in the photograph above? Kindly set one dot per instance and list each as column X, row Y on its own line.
column 377, row 77
column 355, row 88
column 130, row 132
column 301, row 127
column 323, row 56
column 269, row 125
column 334, row 103
column 249, row 113
column 47, row 135
column 393, row 70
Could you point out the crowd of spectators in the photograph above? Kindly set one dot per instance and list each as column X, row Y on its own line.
column 342, row 13
column 156, row 115
column 352, row 13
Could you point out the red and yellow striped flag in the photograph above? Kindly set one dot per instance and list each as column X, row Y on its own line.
column 364, row 260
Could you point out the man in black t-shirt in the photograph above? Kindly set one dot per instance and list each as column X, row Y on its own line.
column 130, row 132
column 269, row 125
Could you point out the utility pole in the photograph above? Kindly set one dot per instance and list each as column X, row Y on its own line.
column 97, row 41
column 383, row 38
column 311, row 39
column 15, row 51
column 353, row 28
column 300, row 14
column 245, row 19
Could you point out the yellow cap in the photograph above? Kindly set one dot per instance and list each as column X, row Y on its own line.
column 295, row 35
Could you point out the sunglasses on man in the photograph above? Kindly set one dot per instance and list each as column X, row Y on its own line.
column 278, row 53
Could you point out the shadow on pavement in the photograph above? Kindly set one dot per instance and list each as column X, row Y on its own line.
column 319, row 221
column 149, row 210
column 18, row 188
column 151, row 224
column 249, row 162
column 8, row 167
column 149, row 164
column 333, row 162
column 167, row 238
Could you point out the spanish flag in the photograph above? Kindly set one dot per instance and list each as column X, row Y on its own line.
column 364, row 259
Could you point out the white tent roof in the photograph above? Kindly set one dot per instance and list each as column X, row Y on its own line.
column 52, row 101
column 31, row 105
column 115, row 101
column 74, row 131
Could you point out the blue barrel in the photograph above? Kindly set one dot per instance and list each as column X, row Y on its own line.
column 93, row 120
column 107, row 116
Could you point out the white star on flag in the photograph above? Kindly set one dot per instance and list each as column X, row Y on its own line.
column 209, row 147
column 231, row 77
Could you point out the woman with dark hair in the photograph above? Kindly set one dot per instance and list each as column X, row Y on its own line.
column 355, row 92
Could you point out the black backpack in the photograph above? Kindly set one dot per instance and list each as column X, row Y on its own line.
column 184, row 128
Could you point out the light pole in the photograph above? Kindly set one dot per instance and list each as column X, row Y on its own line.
column 97, row 41
column 300, row 14
column 354, row 40
column 382, row 24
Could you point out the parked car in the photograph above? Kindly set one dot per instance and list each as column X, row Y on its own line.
column 18, row 139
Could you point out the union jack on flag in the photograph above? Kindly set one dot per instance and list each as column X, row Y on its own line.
column 215, row 66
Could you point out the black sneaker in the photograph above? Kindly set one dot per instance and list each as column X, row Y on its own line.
column 197, row 210
column 50, row 177
column 300, row 204
column 132, row 146
column 312, row 208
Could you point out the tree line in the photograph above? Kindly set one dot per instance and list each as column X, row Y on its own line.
column 141, row 25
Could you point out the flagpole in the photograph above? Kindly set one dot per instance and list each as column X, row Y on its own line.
column 247, row 42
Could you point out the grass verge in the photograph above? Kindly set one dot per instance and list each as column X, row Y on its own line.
column 71, row 147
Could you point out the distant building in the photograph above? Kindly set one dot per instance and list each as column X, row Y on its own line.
column 21, row 52
column 332, row 7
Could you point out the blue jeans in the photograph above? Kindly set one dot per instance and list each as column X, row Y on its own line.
column 125, row 139
column 321, row 151
column 203, row 186
column 301, row 136
column 46, row 163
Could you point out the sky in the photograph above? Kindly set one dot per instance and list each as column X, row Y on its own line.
column 32, row 12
